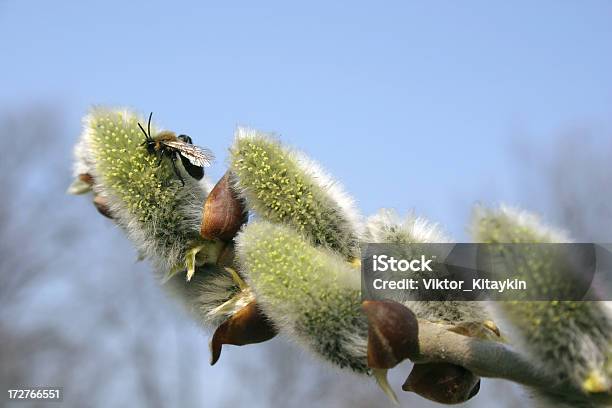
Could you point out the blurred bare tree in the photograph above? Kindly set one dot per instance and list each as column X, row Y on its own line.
column 73, row 313
column 571, row 181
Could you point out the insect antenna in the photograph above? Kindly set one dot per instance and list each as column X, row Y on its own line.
column 149, row 125
column 143, row 131
column 148, row 132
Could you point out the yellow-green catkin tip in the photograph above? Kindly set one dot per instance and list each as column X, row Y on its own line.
column 596, row 382
column 281, row 189
column 126, row 168
column 312, row 292
column 573, row 338
column 157, row 211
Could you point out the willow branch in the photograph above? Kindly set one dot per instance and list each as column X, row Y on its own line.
column 486, row 359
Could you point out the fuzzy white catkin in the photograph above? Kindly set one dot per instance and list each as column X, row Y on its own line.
column 388, row 227
column 148, row 202
column 281, row 185
column 573, row 340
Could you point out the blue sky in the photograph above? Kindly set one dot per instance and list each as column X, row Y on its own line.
column 409, row 104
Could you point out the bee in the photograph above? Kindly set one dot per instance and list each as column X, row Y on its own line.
column 168, row 144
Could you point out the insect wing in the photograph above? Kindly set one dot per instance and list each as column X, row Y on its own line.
column 197, row 156
column 194, row 171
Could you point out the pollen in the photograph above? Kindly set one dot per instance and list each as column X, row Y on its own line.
column 281, row 190
column 151, row 193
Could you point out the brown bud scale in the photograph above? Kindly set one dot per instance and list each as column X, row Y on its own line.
column 442, row 382
column 247, row 326
column 393, row 333
column 224, row 212
column 86, row 178
column 101, row 204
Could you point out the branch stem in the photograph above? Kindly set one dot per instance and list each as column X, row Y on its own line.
column 486, row 359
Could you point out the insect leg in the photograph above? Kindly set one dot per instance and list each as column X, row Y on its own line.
column 176, row 171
